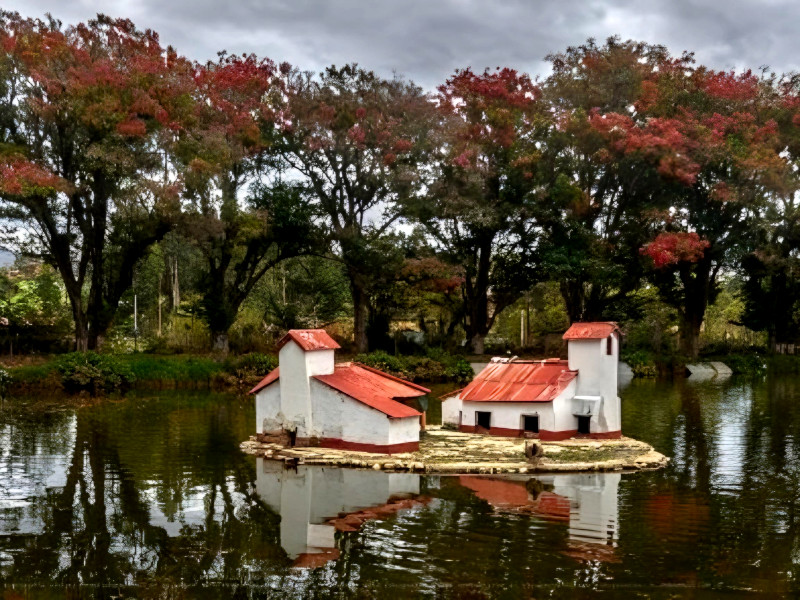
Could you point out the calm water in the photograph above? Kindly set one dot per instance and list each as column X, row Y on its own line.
column 150, row 497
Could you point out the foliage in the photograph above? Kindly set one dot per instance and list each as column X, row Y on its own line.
column 94, row 373
column 358, row 140
column 641, row 362
column 250, row 365
column 87, row 107
column 438, row 365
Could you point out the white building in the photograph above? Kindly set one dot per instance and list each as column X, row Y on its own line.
column 310, row 400
column 550, row 399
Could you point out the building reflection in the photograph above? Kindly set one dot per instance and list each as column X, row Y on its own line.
column 587, row 502
column 316, row 502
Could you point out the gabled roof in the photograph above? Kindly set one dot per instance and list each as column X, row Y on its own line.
column 520, row 381
column 591, row 331
column 374, row 388
column 272, row 377
column 309, row 339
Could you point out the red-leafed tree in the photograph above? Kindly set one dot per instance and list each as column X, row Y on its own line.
column 710, row 138
column 593, row 237
column 224, row 148
column 481, row 212
column 84, row 111
column 357, row 140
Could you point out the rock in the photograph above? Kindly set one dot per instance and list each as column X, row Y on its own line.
column 377, row 466
column 523, row 470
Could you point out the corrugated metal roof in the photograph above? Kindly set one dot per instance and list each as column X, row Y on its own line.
column 519, row 381
column 374, row 388
column 591, row 331
column 309, row 339
column 270, row 378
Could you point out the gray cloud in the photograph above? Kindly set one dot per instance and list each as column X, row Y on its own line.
column 426, row 40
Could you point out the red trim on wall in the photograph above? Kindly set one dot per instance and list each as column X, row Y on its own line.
column 339, row 444
column 557, row 436
column 603, row 435
column 545, row 436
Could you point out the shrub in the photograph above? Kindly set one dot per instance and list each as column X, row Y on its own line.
column 385, row 362
column 438, row 365
column 641, row 363
column 253, row 364
column 94, row 373
column 749, row 364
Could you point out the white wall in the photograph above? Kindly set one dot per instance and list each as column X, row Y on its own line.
column 268, row 409
column 339, row 416
column 297, row 367
column 553, row 416
column 597, row 376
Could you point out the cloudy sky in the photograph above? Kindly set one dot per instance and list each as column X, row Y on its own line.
column 426, row 40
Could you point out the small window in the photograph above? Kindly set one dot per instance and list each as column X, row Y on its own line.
column 583, row 425
column 483, row 419
column 530, row 423
column 610, row 345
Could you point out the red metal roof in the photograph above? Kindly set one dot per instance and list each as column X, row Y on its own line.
column 519, row 381
column 374, row 388
column 270, row 378
column 591, row 331
column 309, row 339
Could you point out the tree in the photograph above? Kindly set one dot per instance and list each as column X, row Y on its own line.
column 225, row 149
column 593, row 238
column 482, row 209
column 84, row 112
column 358, row 141
column 710, row 138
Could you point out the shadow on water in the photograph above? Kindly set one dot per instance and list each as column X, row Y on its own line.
column 150, row 497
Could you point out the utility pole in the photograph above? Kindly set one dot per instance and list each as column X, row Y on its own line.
column 160, row 277
column 135, row 326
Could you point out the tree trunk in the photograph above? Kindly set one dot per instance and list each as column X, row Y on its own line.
column 690, row 336
column 81, row 335
column 476, row 343
column 220, row 341
column 359, row 316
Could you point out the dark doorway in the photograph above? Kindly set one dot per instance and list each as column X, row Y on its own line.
column 483, row 419
column 293, row 438
column 530, row 423
column 583, row 425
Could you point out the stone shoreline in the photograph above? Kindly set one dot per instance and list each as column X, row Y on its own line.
column 446, row 451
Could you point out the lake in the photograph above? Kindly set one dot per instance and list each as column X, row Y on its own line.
column 150, row 497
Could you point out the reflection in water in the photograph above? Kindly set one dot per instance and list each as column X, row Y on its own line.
column 315, row 502
column 587, row 502
column 152, row 496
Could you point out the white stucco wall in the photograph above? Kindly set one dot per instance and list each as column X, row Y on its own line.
column 268, row 408
column 340, row 417
column 450, row 408
column 402, row 431
column 597, row 376
column 553, row 416
column 297, row 366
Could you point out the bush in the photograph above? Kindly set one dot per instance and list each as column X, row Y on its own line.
column 641, row 363
column 438, row 365
column 94, row 373
column 253, row 364
column 753, row 364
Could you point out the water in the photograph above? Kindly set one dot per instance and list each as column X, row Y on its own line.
column 150, row 497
